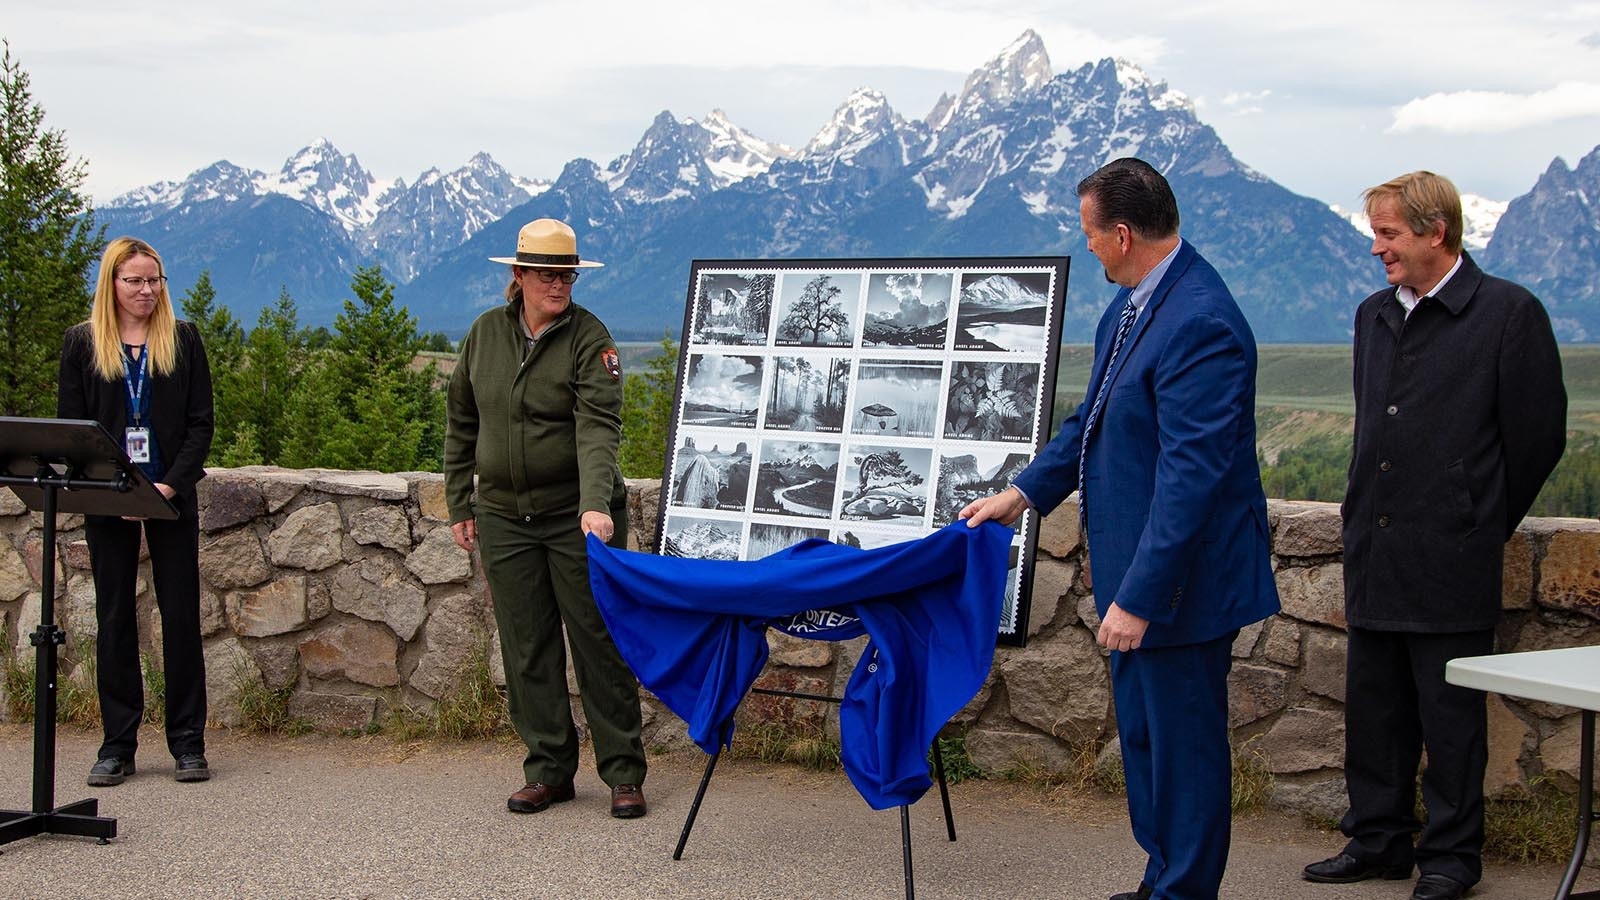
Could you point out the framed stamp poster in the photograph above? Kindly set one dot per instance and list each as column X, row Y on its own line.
column 859, row 401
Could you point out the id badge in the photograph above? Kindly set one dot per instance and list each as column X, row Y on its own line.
column 137, row 442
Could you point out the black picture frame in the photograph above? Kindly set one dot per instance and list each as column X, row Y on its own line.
column 862, row 400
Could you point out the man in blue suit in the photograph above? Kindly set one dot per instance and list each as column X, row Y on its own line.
column 1164, row 449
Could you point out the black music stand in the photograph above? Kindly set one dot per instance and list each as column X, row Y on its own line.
column 905, row 810
column 75, row 466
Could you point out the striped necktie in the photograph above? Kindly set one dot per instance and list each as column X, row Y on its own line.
column 1124, row 325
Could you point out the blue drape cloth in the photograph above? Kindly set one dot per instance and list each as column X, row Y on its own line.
column 694, row 632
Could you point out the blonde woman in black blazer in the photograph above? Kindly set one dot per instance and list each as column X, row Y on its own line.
column 141, row 373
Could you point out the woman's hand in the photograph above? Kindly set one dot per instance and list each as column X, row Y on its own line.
column 598, row 524
column 466, row 533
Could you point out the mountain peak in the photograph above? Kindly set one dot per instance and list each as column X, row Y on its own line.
column 322, row 177
column 682, row 157
column 1021, row 68
column 863, row 117
column 1135, row 80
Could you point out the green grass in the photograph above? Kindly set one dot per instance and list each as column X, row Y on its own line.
column 264, row 710
column 155, row 691
column 958, row 766
column 474, row 710
column 1316, row 377
column 1530, row 825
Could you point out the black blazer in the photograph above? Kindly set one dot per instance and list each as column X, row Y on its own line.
column 180, row 402
column 1461, row 414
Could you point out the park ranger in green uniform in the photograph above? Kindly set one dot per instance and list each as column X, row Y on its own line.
column 534, row 412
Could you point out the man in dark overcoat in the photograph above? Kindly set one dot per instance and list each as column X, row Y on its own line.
column 1460, row 417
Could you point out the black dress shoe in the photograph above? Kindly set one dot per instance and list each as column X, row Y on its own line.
column 109, row 771
column 1143, row 893
column 1344, row 868
column 192, row 767
column 1433, row 886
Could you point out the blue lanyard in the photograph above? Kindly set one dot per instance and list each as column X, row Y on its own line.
column 136, row 387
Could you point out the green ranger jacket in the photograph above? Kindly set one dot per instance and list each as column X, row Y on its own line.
column 540, row 429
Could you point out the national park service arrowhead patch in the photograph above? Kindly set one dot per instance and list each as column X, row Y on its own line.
column 608, row 358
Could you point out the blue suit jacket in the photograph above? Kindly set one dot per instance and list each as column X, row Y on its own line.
column 1177, row 521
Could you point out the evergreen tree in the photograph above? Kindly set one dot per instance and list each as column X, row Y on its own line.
column 647, row 413
column 48, row 242
column 275, row 358
column 224, row 338
column 372, row 337
column 317, row 433
column 358, row 403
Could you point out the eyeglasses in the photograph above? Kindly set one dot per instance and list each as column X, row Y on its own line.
column 140, row 284
column 551, row 276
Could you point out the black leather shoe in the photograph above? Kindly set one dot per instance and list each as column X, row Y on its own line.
column 109, row 771
column 192, row 767
column 1344, row 868
column 1432, row 886
column 1143, row 893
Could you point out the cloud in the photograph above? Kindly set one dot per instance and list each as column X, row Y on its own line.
column 1245, row 103
column 1490, row 112
column 1591, row 40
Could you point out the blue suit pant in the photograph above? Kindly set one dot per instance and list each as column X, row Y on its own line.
column 1172, row 722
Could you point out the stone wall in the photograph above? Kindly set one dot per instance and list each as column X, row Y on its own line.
column 346, row 587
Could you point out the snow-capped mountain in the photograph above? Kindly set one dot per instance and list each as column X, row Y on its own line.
column 440, row 211
column 325, row 179
column 1548, row 240
column 991, row 171
column 322, row 212
column 1479, row 218
column 683, row 158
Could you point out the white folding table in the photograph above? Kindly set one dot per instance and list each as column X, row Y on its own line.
column 1570, row 677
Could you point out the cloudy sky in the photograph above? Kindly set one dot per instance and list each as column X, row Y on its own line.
column 1324, row 98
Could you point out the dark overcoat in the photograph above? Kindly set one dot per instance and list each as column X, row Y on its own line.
column 1460, row 416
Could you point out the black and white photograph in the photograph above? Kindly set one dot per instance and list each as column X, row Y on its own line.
column 907, row 309
column 968, row 474
column 693, row 537
column 817, row 309
column 1003, row 311
column 808, row 393
column 866, row 400
column 886, row 484
column 710, row 472
column 865, row 539
column 767, row 538
column 733, row 309
column 722, row 391
column 1009, row 610
column 797, row 478
column 992, row 401
column 897, row 398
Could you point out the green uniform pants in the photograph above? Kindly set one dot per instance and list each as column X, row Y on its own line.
column 538, row 573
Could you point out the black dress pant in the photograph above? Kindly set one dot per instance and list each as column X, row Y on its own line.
column 1396, row 703
column 175, row 569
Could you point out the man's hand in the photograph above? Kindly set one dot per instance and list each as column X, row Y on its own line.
column 598, row 524
column 466, row 534
column 1005, row 507
column 1121, row 630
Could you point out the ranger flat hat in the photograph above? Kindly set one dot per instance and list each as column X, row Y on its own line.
column 547, row 244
